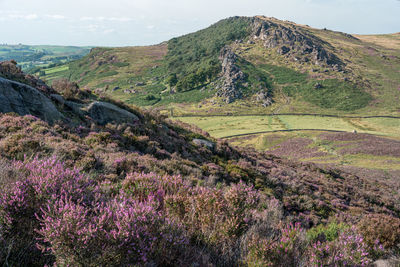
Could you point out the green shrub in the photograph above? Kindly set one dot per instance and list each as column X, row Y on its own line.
column 327, row 232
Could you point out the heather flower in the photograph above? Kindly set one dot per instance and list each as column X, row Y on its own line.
column 118, row 232
column 349, row 249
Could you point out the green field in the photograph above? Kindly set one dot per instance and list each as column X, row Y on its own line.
column 32, row 57
column 374, row 150
column 56, row 69
column 225, row 126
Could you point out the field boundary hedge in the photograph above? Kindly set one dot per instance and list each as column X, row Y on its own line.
column 285, row 130
column 284, row 114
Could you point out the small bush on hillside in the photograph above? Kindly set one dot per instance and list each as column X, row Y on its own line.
column 69, row 90
column 37, row 183
column 348, row 249
column 286, row 250
column 118, row 232
column 326, row 232
column 382, row 228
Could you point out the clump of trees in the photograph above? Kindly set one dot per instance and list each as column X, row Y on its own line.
column 193, row 80
column 192, row 60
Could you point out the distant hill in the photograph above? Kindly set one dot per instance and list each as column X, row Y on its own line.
column 249, row 65
column 31, row 56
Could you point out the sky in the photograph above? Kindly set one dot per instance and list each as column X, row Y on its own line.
column 146, row 22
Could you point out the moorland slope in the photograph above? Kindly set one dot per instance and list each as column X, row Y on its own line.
column 90, row 190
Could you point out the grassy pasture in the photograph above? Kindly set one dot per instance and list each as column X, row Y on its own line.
column 376, row 146
column 235, row 125
column 361, row 154
column 56, row 69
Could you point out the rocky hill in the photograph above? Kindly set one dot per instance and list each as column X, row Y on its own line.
column 249, row 65
column 94, row 184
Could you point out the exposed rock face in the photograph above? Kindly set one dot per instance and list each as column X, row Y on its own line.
column 264, row 99
column 11, row 71
column 203, row 142
column 103, row 113
column 232, row 76
column 387, row 263
column 23, row 100
column 294, row 43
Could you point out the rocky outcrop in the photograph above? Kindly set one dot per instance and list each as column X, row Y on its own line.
column 264, row 99
column 103, row 113
column 100, row 112
column 24, row 99
column 232, row 76
column 11, row 71
column 294, row 43
column 387, row 263
column 203, row 142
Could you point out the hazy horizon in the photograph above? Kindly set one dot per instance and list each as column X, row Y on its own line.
column 128, row 23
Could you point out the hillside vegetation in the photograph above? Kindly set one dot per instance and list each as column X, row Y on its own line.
column 150, row 191
column 285, row 68
column 194, row 57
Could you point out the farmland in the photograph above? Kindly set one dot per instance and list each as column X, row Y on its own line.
column 227, row 126
column 374, row 151
column 31, row 57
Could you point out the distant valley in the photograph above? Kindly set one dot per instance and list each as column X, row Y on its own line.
column 33, row 57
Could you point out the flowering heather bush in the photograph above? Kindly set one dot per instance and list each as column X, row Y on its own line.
column 364, row 144
column 119, row 232
column 149, row 178
column 382, row 228
column 141, row 185
column 216, row 215
column 56, row 214
column 349, row 249
column 72, row 219
column 37, row 182
column 287, row 250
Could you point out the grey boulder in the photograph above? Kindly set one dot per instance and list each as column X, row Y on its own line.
column 24, row 99
column 103, row 113
column 203, row 142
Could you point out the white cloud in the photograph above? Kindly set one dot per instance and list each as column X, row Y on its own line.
column 140, row 22
column 92, row 27
column 56, row 16
column 108, row 31
column 118, row 19
column 23, row 16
